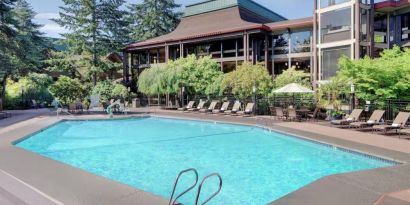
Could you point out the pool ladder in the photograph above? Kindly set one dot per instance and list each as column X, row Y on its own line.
column 173, row 201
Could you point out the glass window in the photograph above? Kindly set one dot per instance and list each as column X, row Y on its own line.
column 326, row 3
column 330, row 61
column 300, row 41
column 302, row 64
column 336, row 25
column 380, row 29
column 281, row 65
column 281, row 43
column 405, row 25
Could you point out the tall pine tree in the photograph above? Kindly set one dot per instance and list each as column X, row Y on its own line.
column 21, row 42
column 96, row 27
column 153, row 18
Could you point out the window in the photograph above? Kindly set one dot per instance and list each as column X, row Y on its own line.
column 326, row 3
column 281, row 43
column 405, row 25
column 330, row 60
column 336, row 25
column 300, row 41
column 380, row 29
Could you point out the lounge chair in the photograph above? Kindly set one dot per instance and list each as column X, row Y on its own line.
column 189, row 106
column 405, row 131
column 210, row 108
column 199, row 107
column 374, row 119
column 234, row 109
column 248, row 110
column 224, row 108
column 95, row 103
column 398, row 123
column 279, row 113
column 353, row 117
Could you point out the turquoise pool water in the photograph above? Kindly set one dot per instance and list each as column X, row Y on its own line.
column 257, row 166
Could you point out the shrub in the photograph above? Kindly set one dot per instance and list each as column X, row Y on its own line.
column 108, row 90
column 119, row 91
column 242, row 80
column 67, row 90
column 381, row 78
column 32, row 87
column 103, row 89
column 291, row 75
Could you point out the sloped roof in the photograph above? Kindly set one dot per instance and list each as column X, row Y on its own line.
column 296, row 23
column 214, row 5
column 224, row 21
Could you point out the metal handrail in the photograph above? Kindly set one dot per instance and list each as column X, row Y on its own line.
column 214, row 194
column 171, row 200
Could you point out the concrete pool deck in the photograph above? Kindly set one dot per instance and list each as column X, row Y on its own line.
column 69, row 185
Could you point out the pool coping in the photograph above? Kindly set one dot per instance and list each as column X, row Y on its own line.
column 125, row 194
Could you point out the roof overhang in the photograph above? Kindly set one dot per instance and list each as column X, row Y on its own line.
column 391, row 5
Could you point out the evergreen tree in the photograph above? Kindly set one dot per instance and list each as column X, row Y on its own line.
column 96, row 27
column 153, row 18
column 32, row 45
column 23, row 47
column 7, row 44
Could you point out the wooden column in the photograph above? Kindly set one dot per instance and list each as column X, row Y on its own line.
column 222, row 56
column 370, row 27
column 236, row 53
column 273, row 59
column 266, row 51
column 245, row 47
column 254, row 51
column 357, row 24
column 166, row 53
column 181, row 50
column 314, row 44
column 125, row 67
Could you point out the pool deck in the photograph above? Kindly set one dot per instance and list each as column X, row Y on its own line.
column 46, row 181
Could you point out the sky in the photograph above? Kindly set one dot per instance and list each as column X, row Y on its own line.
column 48, row 9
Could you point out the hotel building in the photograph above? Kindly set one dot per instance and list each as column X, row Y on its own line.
column 235, row 31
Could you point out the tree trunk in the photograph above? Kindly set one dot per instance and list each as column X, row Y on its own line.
column 3, row 92
column 94, row 39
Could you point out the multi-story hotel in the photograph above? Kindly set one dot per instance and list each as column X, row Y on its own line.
column 234, row 31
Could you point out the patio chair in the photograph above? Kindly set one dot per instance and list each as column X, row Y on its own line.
column 314, row 115
column 353, row 117
column 248, row 110
column 72, row 108
column 124, row 108
column 34, row 104
column 398, row 123
column 292, row 115
column 210, row 108
column 199, row 107
column 224, row 107
column 374, row 119
column 235, row 108
column 279, row 114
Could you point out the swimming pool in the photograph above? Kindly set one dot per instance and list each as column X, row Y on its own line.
column 257, row 166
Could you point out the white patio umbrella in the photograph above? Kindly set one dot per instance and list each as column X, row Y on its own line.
column 293, row 88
